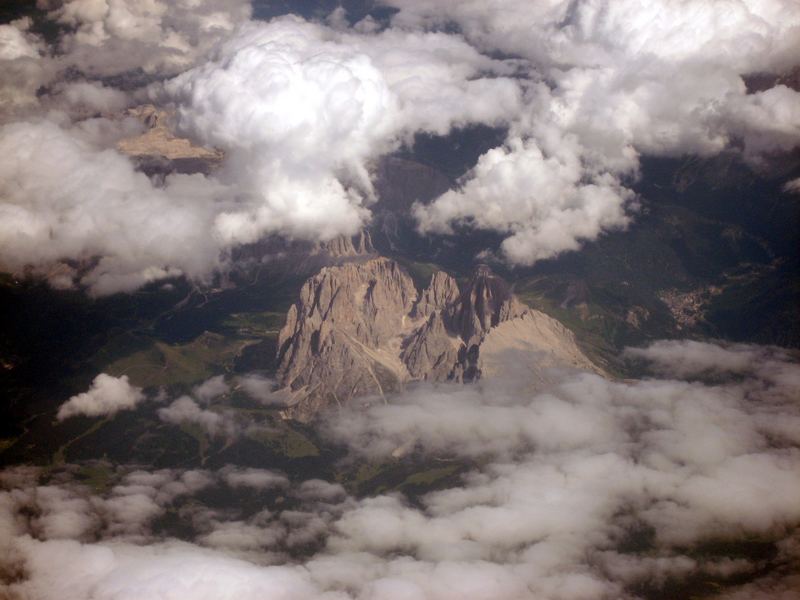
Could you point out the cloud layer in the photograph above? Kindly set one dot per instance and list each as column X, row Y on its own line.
column 303, row 110
column 589, row 489
column 608, row 82
column 65, row 198
column 108, row 37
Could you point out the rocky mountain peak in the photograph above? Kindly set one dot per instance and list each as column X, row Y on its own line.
column 360, row 328
column 441, row 293
column 158, row 149
column 485, row 302
column 346, row 245
column 334, row 345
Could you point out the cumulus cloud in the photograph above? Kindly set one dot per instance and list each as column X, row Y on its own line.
column 185, row 411
column 290, row 113
column 191, row 410
column 62, row 198
column 94, row 97
column 545, row 202
column 241, row 536
column 686, row 358
column 106, row 37
column 301, row 109
column 792, row 186
column 608, row 82
column 14, row 43
column 260, row 388
column 211, row 388
column 687, row 461
column 752, row 34
column 107, row 396
column 24, row 67
column 557, row 490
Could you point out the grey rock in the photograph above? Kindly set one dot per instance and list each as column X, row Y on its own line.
column 336, row 343
column 360, row 329
column 484, row 303
column 442, row 292
column 431, row 353
column 345, row 245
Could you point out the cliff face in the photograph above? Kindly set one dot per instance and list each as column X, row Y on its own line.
column 159, row 150
column 361, row 328
column 347, row 246
column 442, row 292
column 338, row 339
column 486, row 302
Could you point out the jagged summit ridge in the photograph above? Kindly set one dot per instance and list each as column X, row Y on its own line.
column 346, row 246
column 484, row 303
column 361, row 328
column 334, row 345
column 442, row 291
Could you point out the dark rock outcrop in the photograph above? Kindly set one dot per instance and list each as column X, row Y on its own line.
column 485, row 302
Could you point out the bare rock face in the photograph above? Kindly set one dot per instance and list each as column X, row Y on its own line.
column 486, row 302
column 441, row 293
column 534, row 342
column 278, row 258
column 431, row 353
column 159, row 150
column 347, row 246
column 360, row 328
column 337, row 340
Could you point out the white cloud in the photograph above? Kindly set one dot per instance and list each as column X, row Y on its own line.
column 107, row 396
column 189, row 410
column 94, row 97
column 106, row 37
column 258, row 479
column 301, row 109
column 211, row 388
column 747, row 35
column 185, row 411
column 289, row 113
column 553, row 483
column 792, row 186
column 544, row 202
column 62, row 198
column 162, row 572
column 237, row 535
column 24, row 67
column 609, row 82
column 260, row 388
column 62, row 515
column 688, row 358
column 15, row 43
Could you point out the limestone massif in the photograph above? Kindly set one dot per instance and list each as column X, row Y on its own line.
column 159, row 150
column 361, row 328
